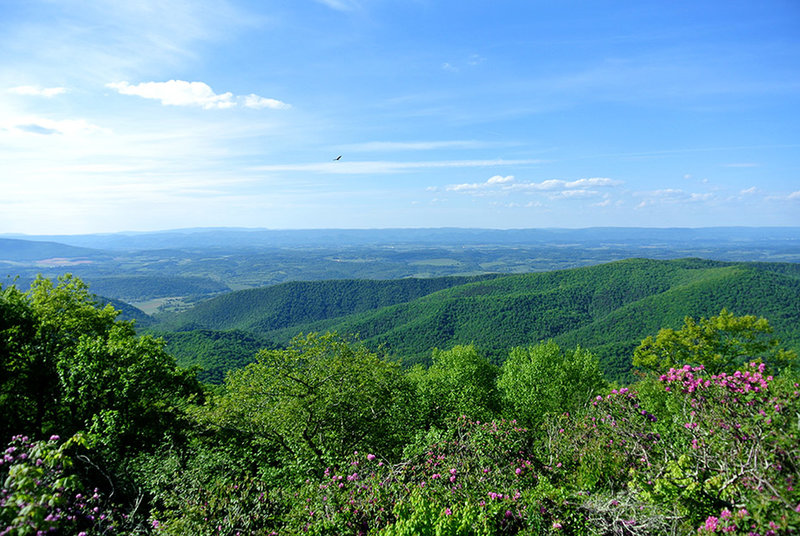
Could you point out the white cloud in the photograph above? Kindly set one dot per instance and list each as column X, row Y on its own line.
column 794, row 195
column 575, row 193
column 47, row 92
column 594, row 182
column 255, row 101
column 497, row 179
column 741, row 165
column 557, row 187
column 183, row 93
column 749, row 191
column 177, row 93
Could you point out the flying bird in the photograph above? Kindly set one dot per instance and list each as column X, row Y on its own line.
column 337, row 158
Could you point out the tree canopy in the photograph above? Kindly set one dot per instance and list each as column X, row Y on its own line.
column 721, row 342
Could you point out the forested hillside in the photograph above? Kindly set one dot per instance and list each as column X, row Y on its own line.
column 214, row 352
column 299, row 302
column 607, row 308
column 105, row 434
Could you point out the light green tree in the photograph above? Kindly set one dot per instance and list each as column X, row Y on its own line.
column 721, row 342
column 459, row 382
column 318, row 400
column 544, row 379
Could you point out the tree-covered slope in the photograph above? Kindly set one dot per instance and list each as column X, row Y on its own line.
column 214, row 352
column 609, row 307
column 299, row 302
column 143, row 287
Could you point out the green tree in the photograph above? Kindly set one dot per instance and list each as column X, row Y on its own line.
column 318, row 400
column 70, row 365
column 459, row 382
column 544, row 379
column 722, row 342
column 39, row 328
column 24, row 390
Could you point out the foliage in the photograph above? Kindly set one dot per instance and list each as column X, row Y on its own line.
column 542, row 380
column 318, row 399
column 460, row 382
column 327, row 437
column 295, row 303
column 469, row 479
column 718, row 343
column 728, row 448
column 607, row 309
column 44, row 494
column 72, row 366
column 214, row 352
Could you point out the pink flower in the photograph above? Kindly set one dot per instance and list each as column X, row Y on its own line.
column 370, row 457
column 711, row 523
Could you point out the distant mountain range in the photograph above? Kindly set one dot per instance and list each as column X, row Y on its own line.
column 228, row 238
column 173, row 270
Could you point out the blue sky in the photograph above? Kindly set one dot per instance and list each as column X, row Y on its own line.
column 160, row 114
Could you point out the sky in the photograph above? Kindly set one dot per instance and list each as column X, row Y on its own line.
column 164, row 114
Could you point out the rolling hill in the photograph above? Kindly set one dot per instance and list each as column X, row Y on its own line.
column 608, row 308
column 294, row 303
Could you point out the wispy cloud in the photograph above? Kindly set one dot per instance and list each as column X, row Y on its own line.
column 257, row 102
column 455, row 66
column 340, row 5
column 554, row 187
column 47, row 92
column 375, row 167
column 183, row 93
column 44, row 126
column 415, row 145
column 671, row 196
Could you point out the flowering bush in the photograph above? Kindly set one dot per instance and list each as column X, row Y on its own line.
column 741, row 451
column 42, row 495
column 710, row 453
column 475, row 478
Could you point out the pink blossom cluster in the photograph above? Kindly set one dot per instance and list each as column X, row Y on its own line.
column 692, row 379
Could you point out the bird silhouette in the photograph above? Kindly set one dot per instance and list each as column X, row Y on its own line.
column 338, row 158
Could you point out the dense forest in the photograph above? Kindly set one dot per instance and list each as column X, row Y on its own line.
column 607, row 308
column 327, row 434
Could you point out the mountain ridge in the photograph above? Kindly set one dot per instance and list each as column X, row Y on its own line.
column 607, row 308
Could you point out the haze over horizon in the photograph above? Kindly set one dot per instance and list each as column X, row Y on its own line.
column 151, row 115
